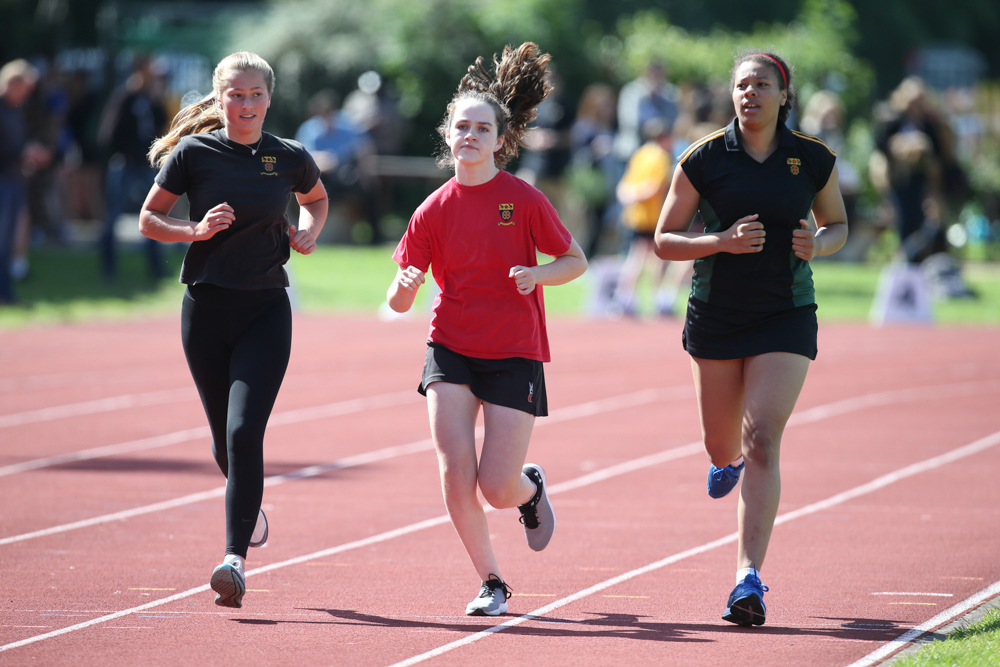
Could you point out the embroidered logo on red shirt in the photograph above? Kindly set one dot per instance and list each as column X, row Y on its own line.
column 506, row 213
column 796, row 163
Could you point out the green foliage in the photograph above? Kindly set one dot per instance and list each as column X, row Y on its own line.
column 421, row 48
column 818, row 45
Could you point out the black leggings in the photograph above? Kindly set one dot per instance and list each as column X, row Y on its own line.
column 237, row 344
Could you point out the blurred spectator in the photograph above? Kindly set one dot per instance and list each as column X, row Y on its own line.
column 84, row 161
column 45, row 115
column 547, row 157
column 341, row 149
column 133, row 118
column 916, row 147
column 702, row 109
column 18, row 155
column 641, row 191
column 823, row 118
column 46, row 112
column 594, row 169
column 375, row 111
column 645, row 98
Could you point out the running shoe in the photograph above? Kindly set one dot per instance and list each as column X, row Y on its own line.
column 537, row 515
column 723, row 480
column 259, row 537
column 746, row 603
column 230, row 584
column 492, row 598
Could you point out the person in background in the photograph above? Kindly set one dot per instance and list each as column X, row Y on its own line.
column 641, row 192
column 594, row 170
column 648, row 96
column 45, row 112
column 751, row 319
column 341, row 148
column 547, row 157
column 133, row 118
column 918, row 147
column 18, row 155
column 236, row 321
column 481, row 233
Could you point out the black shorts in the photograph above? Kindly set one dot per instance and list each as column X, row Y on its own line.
column 515, row 382
column 714, row 332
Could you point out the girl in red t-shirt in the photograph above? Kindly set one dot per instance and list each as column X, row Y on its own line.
column 480, row 233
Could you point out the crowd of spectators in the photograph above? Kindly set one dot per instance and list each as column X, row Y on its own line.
column 69, row 153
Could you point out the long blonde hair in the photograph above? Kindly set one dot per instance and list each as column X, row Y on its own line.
column 205, row 115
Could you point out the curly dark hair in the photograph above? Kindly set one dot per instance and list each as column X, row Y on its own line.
column 781, row 69
column 518, row 84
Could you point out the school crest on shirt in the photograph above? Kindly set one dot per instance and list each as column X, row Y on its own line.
column 795, row 164
column 269, row 163
column 506, row 214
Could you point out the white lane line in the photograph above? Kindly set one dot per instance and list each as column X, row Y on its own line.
column 98, row 406
column 945, row 617
column 908, row 471
column 874, row 485
column 277, row 419
column 932, row 595
column 585, row 409
column 575, row 412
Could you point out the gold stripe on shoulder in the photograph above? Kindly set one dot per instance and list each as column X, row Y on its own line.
column 809, row 137
column 704, row 140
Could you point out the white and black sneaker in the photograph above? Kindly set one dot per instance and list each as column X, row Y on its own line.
column 229, row 583
column 537, row 515
column 259, row 537
column 492, row 598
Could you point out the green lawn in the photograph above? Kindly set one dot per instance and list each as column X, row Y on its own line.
column 64, row 285
column 976, row 645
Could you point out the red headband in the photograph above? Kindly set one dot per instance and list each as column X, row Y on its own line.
column 775, row 61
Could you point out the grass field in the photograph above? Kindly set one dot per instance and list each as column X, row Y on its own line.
column 976, row 645
column 64, row 285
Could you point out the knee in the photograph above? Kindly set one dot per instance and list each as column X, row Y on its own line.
column 722, row 451
column 459, row 486
column 243, row 437
column 500, row 493
column 761, row 446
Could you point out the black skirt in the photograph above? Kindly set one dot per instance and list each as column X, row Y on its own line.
column 713, row 332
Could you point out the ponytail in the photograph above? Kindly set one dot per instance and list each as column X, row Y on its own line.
column 198, row 118
column 518, row 84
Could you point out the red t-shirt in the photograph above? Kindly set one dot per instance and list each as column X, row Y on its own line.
column 471, row 236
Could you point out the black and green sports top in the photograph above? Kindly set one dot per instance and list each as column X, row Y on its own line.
column 781, row 191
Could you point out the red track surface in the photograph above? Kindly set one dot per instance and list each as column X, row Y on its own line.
column 845, row 578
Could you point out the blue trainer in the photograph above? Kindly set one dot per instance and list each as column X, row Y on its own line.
column 723, row 480
column 746, row 603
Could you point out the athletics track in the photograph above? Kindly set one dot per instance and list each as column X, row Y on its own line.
column 111, row 513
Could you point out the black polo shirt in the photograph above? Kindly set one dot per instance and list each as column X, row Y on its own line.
column 781, row 191
column 212, row 170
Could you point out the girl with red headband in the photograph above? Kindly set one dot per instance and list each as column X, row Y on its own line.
column 751, row 320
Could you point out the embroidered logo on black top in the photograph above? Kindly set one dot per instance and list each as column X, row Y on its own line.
column 269, row 163
column 796, row 163
column 506, row 213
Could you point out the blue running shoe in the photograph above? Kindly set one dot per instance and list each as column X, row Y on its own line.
column 746, row 603
column 723, row 480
